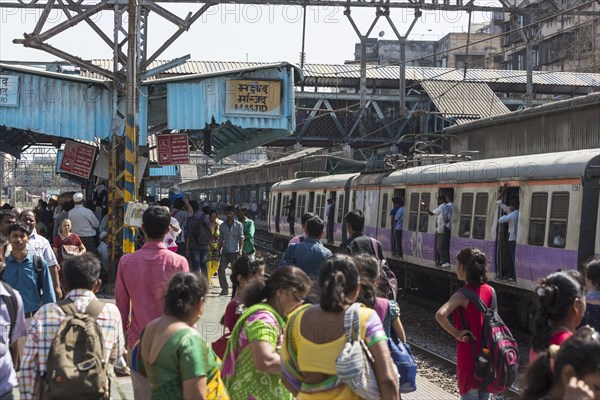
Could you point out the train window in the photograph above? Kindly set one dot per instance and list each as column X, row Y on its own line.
column 354, row 200
column 320, row 210
column 286, row 200
column 301, row 207
column 481, row 206
column 537, row 220
column 413, row 215
column 423, row 216
column 340, row 210
column 466, row 215
column 384, row 210
column 559, row 214
column 274, row 206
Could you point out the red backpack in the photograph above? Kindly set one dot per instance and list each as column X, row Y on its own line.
column 497, row 369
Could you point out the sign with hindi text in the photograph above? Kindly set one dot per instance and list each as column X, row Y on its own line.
column 78, row 159
column 253, row 98
column 9, row 90
column 173, row 149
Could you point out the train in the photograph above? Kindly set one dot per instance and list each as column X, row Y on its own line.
column 558, row 193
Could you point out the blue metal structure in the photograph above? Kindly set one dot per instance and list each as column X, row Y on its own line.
column 58, row 105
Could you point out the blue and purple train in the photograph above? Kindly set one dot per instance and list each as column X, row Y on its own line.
column 558, row 227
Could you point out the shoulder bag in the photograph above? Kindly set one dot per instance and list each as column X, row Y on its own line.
column 354, row 365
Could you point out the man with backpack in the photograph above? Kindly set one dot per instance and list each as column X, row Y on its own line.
column 197, row 238
column 11, row 314
column 71, row 342
column 359, row 243
column 27, row 273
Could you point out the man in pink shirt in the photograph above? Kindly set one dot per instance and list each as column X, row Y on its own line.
column 142, row 279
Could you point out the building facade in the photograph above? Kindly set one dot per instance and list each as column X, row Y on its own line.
column 564, row 43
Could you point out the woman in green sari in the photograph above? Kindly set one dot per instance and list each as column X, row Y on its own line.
column 251, row 366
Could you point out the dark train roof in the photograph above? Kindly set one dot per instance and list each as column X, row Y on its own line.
column 562, row 165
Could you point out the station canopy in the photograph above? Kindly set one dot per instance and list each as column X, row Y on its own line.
column 240, row 108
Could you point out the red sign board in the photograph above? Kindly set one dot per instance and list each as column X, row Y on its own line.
column 78, row 159
column 173, row 149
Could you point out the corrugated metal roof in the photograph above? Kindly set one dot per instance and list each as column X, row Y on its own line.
column 59, row 105
column 196, row 105
column 465, row 101
column 165, row 170
column 567, row 164
column 557, row 106
column 346, row 75
column 56, row 75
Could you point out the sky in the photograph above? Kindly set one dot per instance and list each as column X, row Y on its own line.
column 234, row 32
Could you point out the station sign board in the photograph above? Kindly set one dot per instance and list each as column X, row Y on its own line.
column 9, row 90
column 173, row 149
column 78, row 158
column 256, row 98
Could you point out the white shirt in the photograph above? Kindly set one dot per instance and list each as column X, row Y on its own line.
column 449, row 214
column 439, row 223
column 40, row 246
column 512, row 218
column 83, row 221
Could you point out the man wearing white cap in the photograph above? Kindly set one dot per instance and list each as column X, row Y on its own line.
column 84, row 223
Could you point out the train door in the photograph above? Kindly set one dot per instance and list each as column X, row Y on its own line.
column 277, row 209
column 311, row 203
column 504, row 260
column 292, row 212
column 398, row 194
column 330, row 211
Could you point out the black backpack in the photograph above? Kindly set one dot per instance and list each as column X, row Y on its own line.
column 201, row 231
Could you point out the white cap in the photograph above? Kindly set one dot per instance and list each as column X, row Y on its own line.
column 78, row 197
column 103, row 234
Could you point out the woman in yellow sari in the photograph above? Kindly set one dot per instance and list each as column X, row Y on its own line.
column 213, row 258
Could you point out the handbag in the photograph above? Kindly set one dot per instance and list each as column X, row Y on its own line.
column 70, row 250
column 354, row 365
column 404, row 361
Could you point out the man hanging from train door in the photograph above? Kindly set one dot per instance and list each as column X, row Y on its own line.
column 330, row 214
column 291, row 207
column 512, row 219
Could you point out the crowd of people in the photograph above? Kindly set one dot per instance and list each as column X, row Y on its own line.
column 285, row 331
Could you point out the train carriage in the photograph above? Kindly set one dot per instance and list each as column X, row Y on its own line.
column 559, row 224
column 308, row 195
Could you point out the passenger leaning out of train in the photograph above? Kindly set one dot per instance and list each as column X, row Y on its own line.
column 571, row 371
column 561, row 306
column 471, row 269
column 357, row 242
column 512, row 219
column 442, row 231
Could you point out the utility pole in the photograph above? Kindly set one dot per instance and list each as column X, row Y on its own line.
column 131, row 118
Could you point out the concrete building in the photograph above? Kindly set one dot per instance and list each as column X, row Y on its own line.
column 419, row 53
column 426, row 53
column 564, row 43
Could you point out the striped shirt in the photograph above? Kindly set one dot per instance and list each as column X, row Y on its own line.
column 44, row 327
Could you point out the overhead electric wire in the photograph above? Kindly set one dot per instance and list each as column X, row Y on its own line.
column 545, row 19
